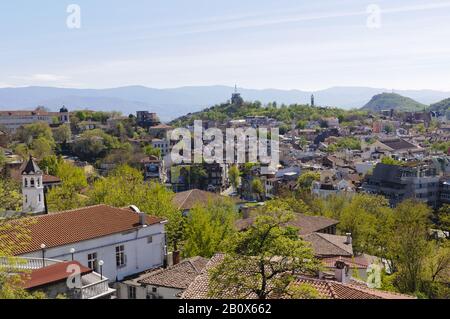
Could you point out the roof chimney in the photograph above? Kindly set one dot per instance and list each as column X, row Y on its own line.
column 342, row 271
column 348, row 240
column 142, row 219
column 142, row 216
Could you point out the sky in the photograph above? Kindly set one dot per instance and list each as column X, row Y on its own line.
column 284, row 44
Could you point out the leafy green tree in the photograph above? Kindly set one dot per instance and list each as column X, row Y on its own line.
column 62, row 134
column 50, row 163
column 391, row 161
column 41, row 147
column 409, row 245
column 149, row 150
column 67, row 196
column 126, row 186
column 10, row 196
column 208, row 226
column 258, row 188
column 368, row 218
column 11, row 276
column 197, row 176
column 305, row 180
column 234, row 176
column 263, row 260
column 2, row 158
column 28, row 133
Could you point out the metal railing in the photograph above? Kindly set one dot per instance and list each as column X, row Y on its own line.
column 23, row 263
column 95, row 289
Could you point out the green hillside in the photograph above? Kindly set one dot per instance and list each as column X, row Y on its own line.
column 294, row 113
column 387, row 101
column 441, row 106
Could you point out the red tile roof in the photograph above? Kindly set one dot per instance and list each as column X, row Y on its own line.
column 187, row 200
column 73, row 226
column 51, row 274
column 329, row 245
column 179, row 276
column 305, row 223
column 326, row 288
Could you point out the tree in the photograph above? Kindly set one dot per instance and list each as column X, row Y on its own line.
column 50, row 163
column 14, row 235
column 391, row 161
column 2, row 158
column 62, row 134
column 368, row 218
column 409, row 246
column 197, row 176
column 263, row 260
column 67, row 195
column 28, row 133
column 234, row 176
column 10, row 196
column 305, row 180
column 258, row 188
column 152, row 151
column 41, row 147
column 126, row 186
column 208, row 226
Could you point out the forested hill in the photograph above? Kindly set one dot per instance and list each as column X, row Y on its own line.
column 294, row 113
column 441, row 106
column 387, row 101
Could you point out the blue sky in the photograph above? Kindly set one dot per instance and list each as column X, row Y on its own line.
column 286, row 44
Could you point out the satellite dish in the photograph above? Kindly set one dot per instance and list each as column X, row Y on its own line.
column 135, row 209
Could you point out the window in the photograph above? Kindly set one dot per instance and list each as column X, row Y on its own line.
column 39, row 198
column 154, row 289
column 149, row 239
column 131, row 292
column 92, row 261
column 120, row 256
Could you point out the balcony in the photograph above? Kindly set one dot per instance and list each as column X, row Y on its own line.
column 93, row 285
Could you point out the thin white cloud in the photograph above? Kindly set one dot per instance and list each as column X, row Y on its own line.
column 42, row 77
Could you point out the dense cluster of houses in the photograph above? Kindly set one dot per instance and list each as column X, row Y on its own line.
column 121, row 252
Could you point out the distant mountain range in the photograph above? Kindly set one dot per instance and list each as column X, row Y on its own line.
column 171, row 103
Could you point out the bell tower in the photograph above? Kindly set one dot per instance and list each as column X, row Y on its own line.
column 33, row 188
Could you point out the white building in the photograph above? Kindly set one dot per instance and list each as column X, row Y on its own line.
column 162, row 144
column 125, row 240
column 12, row 120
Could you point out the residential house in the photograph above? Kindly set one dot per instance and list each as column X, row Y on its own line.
column 338, row 287
column 125, row 240
column 163, row 283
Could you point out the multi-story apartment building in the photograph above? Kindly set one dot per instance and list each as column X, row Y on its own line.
column 12, row 120
column 397, row 183
column 147, row 119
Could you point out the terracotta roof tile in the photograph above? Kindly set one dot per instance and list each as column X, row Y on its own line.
column 329, row 245
column 51, row 274
column 179, row 276
column 187, row 200
column 77, row 225
column 326, row 288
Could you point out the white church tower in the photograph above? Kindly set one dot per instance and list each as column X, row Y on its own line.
column 33, row 188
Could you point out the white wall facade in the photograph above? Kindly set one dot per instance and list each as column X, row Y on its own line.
column 141, row 252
